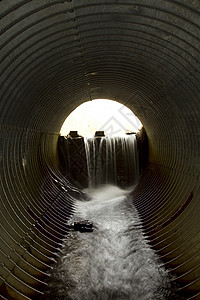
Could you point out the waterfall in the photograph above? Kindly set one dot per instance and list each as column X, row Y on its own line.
column 114, row 260
column 112, row 160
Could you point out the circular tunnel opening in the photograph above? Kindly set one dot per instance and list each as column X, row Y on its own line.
column 106, row 115
column 100, row 143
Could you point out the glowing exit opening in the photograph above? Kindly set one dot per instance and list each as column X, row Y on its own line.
column 105, row 115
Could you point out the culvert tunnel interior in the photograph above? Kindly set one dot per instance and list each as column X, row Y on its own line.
column 57, row 54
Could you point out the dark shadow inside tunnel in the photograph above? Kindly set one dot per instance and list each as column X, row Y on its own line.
column 55, row 54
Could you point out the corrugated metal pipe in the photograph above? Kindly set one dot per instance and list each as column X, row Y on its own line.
column 57, row 54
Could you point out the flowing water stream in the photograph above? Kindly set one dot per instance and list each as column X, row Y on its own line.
column 114, row 261
column 112, row 160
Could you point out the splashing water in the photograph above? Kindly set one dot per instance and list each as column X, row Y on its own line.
column 112, row 262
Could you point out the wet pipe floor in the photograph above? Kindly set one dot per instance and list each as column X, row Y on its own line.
column 114, row 261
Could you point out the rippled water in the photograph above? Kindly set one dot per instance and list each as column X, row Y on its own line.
column 112, row 262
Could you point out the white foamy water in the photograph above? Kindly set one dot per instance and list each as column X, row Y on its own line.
column 112, row 262
column 112, row 160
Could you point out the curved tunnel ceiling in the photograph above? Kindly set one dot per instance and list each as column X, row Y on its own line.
column 55, row 55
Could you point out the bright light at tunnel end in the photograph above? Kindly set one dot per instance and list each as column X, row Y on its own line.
column 106, row 115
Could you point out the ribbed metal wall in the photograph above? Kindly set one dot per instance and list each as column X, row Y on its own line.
column 57, row 54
